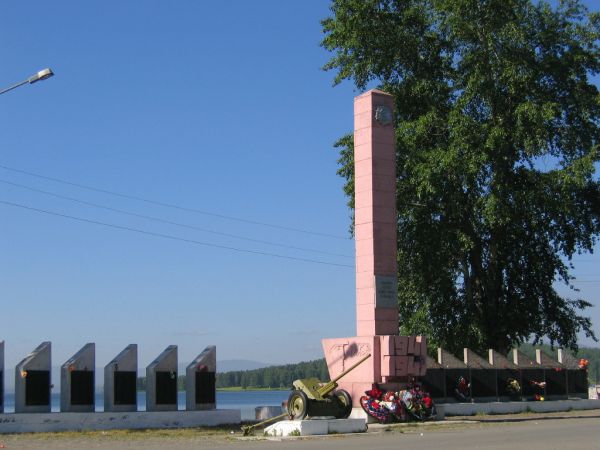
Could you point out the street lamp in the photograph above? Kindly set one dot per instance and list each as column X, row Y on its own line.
column 41, row 75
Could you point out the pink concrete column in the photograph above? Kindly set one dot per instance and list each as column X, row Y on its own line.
column 375, row 215
column 394, row 359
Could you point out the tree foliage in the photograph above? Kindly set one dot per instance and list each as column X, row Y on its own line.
column 497, row 127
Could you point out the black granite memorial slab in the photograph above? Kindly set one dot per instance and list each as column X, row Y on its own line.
column 166, row 388
column 37, row 388
column 453, row 389
column 125, row 388
column 434, row 382
column 205, row 387
column 507, row 389
column 577, row 379
column 577, row 383
column 555, row 375
column 556, row 383
column 32, row 381
column 200, row 381
column 82, row 387
column 531, row 379
column 483, row 384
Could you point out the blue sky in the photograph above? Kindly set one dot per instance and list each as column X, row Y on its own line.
column 219, row 107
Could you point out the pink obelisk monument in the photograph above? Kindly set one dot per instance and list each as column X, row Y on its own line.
column 393, row 358
column 375, row 215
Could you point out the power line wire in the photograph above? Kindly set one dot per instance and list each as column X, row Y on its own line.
column 169, row 205
column 169, row 222
column 168, row 236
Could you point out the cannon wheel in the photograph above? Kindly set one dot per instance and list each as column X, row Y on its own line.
column 344, row 402
column 298, row 405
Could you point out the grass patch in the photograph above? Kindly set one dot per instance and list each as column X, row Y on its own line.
column 221, row 431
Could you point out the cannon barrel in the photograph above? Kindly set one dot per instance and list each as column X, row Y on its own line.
column 330, row 386
column 350, row 369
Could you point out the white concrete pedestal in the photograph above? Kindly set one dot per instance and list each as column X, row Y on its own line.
column 52, row 422
column 316, row 427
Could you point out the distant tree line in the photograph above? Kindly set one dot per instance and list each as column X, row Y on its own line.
column 273, row 377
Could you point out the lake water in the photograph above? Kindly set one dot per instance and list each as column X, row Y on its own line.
column 246, row 401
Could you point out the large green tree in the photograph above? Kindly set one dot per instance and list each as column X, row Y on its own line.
column 497, row 142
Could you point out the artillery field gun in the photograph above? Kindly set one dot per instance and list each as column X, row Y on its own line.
column 313, row 398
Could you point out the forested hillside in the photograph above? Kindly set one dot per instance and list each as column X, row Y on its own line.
column 273, row 377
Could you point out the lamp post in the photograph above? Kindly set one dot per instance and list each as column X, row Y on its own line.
column 41, row 75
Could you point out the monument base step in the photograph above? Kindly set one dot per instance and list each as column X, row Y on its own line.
column 59, row 421
column 359, row 413
column 470, row 409
column 314, row 427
